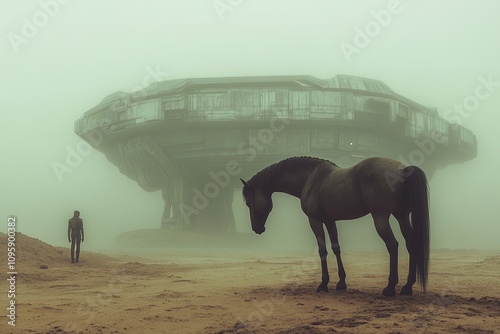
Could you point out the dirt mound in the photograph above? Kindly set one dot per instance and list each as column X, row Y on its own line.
column 33, row 253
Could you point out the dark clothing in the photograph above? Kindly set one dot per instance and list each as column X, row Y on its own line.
column 75, row 235
column 75, row 241
column 75, row 227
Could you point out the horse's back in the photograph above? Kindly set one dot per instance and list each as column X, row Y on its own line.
column 381, row 183
column 378, row 164
column 336, row 193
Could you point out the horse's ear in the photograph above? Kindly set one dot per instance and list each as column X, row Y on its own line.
column 244, row 182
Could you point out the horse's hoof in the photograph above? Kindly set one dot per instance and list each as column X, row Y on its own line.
column 406, row 291
column 322, row 287
column 389, row 292
column 341, row 286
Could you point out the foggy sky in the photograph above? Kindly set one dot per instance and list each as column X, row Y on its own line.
column 433, row 52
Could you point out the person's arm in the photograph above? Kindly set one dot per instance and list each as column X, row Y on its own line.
column 69, row 228
column 83, row 235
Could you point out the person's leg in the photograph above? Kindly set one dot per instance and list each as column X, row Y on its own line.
column 78, row 240
column 73, row 249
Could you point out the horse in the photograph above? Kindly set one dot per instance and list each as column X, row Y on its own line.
column 378, row 186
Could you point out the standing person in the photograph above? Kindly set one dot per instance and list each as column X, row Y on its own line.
column 75, row 234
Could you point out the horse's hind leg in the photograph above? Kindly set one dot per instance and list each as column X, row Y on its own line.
column 332, row 232
column 407, row 231
column 385, row 232
column 319, row 233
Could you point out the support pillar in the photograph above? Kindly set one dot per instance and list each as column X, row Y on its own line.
column 200, row 212
column 172, row 195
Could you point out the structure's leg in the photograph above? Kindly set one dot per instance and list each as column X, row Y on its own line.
column 167, row 194
column 223, row 211
column 228, row 209
column 191, row 205
column 218, row 215
column 176, row 200
column 205, row 206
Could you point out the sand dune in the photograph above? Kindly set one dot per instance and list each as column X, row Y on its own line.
column 220, row 290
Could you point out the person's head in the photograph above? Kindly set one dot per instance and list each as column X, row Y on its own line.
column 76, row 214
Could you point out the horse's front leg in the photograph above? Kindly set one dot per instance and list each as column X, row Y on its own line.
column 319, row 232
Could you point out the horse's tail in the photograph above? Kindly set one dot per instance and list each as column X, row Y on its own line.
column 419, row 201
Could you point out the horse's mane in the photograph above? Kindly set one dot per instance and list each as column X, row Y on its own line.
column 270, row 173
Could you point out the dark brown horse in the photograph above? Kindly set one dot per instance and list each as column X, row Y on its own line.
column 376, row 186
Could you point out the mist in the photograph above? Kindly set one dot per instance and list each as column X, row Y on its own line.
column 433, row 52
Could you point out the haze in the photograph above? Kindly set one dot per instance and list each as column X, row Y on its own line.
column 433, row 52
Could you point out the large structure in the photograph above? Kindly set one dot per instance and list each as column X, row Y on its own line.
column 194, row 138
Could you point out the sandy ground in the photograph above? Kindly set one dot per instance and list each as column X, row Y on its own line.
column 221, row 290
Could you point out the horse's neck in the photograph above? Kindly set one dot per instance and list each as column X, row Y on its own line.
column 292, row 180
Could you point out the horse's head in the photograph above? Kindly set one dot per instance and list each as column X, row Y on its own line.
column 260, row 205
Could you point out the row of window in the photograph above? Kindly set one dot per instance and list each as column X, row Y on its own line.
column 253, row 103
